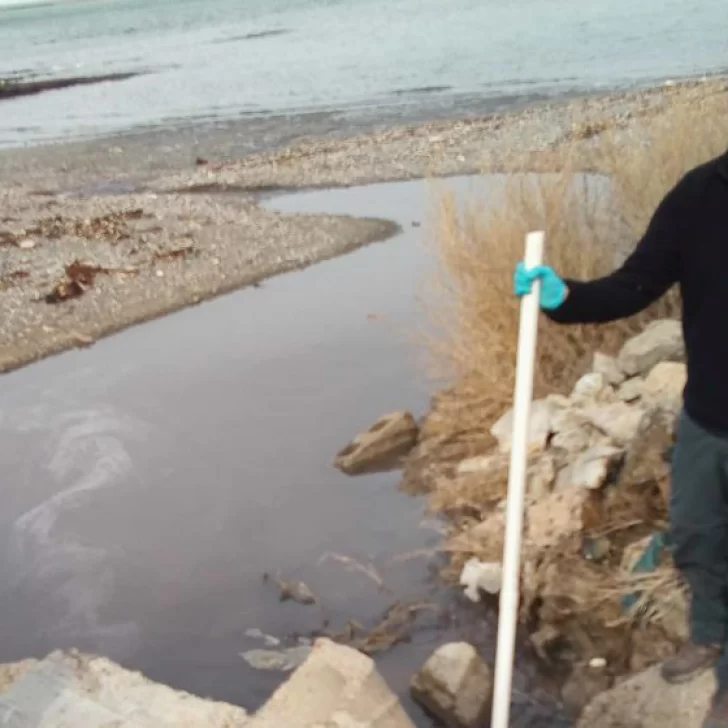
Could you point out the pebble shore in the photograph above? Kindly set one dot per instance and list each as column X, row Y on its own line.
column 153, row 229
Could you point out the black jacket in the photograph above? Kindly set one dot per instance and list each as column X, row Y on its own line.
column 686, row 243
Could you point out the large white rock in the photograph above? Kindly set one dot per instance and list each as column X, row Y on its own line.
column 591, row 468
column 455, row 685
column 538, row 431
column 71, row 690
column 661, row 341
column 337, row 687
column 618, row 421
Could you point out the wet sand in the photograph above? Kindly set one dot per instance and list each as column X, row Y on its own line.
column 156, row 476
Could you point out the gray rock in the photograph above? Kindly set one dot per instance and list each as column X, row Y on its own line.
column 592, row 468
column 618, row 421
column 661, row 341
column 455, row 685
column 538, row 431
column 381, row 447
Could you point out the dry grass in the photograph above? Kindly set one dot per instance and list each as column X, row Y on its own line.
column 590, row 224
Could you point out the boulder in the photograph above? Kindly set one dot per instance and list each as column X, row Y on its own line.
column 665, row 384
column 618, row 421
column 645, row 461
column 337, row 687
column 608, row 367
column 592, row 468
column 72, row 689
column 455, row 686
column 661, row 341
column 644, row 701
column 538, row 431
column 381, row 447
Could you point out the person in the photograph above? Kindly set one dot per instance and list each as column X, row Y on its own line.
column 685, row 244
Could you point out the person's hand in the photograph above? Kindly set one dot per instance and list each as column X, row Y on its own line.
column 553, row 289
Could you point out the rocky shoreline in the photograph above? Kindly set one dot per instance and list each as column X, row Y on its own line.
column 75, row 267
column 601, row 601
column 199, row 231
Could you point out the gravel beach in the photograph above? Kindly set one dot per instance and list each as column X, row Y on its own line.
column 96, row 236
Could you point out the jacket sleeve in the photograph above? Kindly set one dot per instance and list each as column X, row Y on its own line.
column 650, row 270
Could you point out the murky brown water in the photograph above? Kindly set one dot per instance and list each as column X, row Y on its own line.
column 150, row 481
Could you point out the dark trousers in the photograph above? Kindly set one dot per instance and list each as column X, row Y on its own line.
column 699, row 530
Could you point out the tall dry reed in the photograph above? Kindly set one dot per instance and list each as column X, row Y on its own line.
column 591, row 223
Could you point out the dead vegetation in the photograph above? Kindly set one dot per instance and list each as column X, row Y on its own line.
column 112, row 228
column 591, row 223
column 585, row 585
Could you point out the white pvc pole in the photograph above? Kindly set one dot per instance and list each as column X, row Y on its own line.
column 509, row 597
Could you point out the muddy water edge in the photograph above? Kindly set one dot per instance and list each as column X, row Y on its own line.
column 151, row 481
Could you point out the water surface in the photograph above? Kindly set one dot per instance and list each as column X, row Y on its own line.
column 150, row 481
column 207, row 60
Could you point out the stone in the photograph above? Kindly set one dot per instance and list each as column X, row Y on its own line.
column 572, row 441
column 618, row 421
column 477, row 575
column 665, row 384
column 645, row 460
column 83, row 691
column 608, row 367
column 631, row 390
column 381, row 447
column 336, row 687
column 538, row 431
column 591, row 469
column 644, row 701
column 455, row 685
column 661, row 341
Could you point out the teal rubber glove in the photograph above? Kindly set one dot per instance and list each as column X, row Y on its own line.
column 553, row 289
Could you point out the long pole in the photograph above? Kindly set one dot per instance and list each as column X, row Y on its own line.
column 509, row 597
